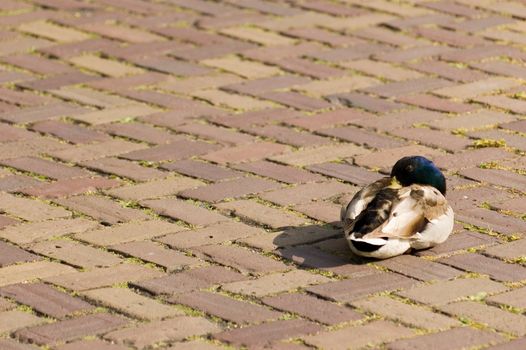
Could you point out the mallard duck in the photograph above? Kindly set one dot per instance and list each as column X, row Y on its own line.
column 396, row 213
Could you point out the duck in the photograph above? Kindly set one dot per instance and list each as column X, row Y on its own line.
column 399, row 213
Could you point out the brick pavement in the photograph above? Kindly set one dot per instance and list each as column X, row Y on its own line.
column 172, row 171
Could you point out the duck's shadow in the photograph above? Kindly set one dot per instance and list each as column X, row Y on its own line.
column 317, row 246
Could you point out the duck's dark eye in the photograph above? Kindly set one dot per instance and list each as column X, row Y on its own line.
column 409, row 168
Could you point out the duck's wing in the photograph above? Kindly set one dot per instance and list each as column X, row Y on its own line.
column 417, row 206
column 362, row 198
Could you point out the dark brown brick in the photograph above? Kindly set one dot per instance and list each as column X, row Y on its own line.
column 45, row 299
column 91, row 344
column 495, row 176
column 471, row 158
column 71, row 329
column 367, row 102
column 226, row 308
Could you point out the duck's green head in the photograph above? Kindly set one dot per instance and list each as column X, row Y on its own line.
column 419, row 170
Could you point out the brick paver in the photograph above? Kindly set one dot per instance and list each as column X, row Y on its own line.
column 171, row 172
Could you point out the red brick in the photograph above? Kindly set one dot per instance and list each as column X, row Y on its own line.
column 261, row 213
column 307, row 192
column 124, row 168
column 513, row 298
column 494, row 317
column 491, row 220
column 23, row 98
column 419, row 268
column 434, row 138
column 406, row 313
column 36, row 114
column 363, row 138
column 71, row 329
column 267, row 332
column 360, row 336
column 185, row 108
column 519, row 126
column 169, row 65
column 308, row 68
column 147, row 334
column 385, row 158
column 140, row 132
column 419, row 52
column 327, row 119
column 241, row 259
column 311, row 257
column 367, row 102
column 172, row 151
column 190, row 280
column 45, row 299
column 396, row 89
column 45, row 167
column 245, row 153
column 230, row 189
column 459, row 241
column 279, row 172
column 68, row 187
column 514, row 344
column 290, row 236
column 470, row 158
column 157, row 254
column 70, row 132
column 213, row 234
column 9, row 344
column 356, row 288
column 91, row 344
column 202, row 170
column 38, row 64
column 11, row 254
column 102, row 209
column 11, row 133
column 263, row 117
column 217, row 134
column 345, row 172
column 496, row 269
column 495, row 176
column 226, row 308
column 457, row 339
column 436, row 103
column 321, row 211
column 260, row 86
column 289, row 136
column 296, row 100
column 448, row 291
column 313, row 308
column 188, row 212
column 76, row 254
column 15, row 183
